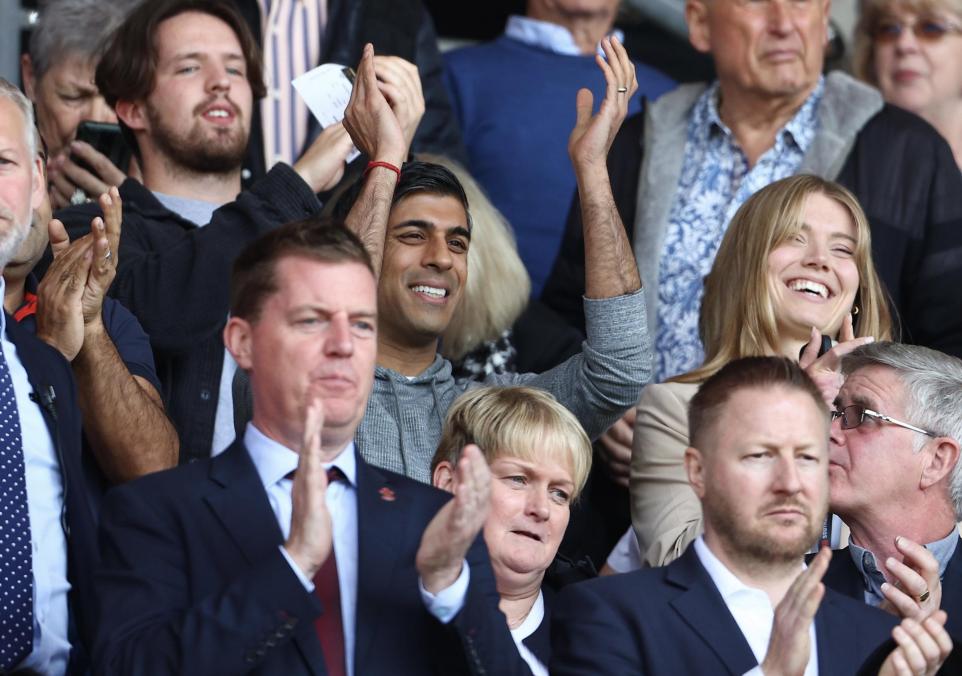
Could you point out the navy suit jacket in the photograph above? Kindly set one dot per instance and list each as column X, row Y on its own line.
column 46, row 368
column 843, row 577
column 193, row 580
column 672, row 620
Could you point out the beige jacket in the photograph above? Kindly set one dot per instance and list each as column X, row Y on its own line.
column 665, row 512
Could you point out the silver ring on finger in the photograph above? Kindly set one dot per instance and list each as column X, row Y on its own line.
column 622, row 90
column 78, row 197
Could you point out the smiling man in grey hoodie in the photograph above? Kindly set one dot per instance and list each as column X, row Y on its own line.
column 425, row 233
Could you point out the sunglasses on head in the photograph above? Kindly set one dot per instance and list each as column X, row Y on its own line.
column 889, row 30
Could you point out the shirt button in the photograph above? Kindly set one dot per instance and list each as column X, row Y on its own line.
column 205, row 395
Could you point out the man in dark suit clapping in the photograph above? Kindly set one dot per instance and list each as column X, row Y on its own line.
column 740, row 600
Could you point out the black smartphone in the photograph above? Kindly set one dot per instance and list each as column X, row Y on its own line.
column 822, row 349
column 107, row 139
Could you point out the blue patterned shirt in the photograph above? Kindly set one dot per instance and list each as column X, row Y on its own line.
column 715, row 180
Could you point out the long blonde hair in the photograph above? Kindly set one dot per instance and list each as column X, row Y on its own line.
column 737, row 316
column 498, row 284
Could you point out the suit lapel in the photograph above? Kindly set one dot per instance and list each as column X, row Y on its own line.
column 952, row 593
column 704, row 610
column 244, row 511
column 835, row 637
column 843, row 576
column 380, row 527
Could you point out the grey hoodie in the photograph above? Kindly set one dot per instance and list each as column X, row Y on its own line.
column 402, row 425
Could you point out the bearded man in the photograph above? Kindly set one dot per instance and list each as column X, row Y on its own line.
column 740, row 599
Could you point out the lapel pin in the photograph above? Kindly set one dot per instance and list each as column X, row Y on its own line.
column 387, row 494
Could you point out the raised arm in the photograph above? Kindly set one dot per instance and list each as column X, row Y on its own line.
column 123, row 416
column 381, row 119
column 610, row 268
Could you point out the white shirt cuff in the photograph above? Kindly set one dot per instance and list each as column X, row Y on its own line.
column 448, row 602
column 307, row 582
column 757, row 671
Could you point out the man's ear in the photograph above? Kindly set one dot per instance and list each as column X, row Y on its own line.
column 942, row 459
column 695, row 468
column 38, row 185
column 237, row 340
column 696, row 16
column 132, row 113
column 26, row 74
column 443, row 477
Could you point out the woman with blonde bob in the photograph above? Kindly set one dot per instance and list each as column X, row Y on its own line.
column 539, row 458
column 795, row 264
column 912, row 51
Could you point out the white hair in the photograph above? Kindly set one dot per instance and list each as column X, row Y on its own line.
column 932, row 382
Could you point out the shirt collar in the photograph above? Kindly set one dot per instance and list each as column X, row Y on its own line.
column 727, row 583
column 800, row 129
column 547, row 35
column 867, row 566
column 274, row 461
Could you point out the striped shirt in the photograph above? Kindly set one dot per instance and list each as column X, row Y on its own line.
column 291, row 37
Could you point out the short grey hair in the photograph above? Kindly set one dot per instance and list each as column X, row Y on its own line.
column 932, row 382
column 74, row 27
column 12, row 93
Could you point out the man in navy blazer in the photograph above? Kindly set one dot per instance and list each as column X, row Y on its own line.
column 288, row 554
column 740, row 600
column 896, row 480
column 60, row 608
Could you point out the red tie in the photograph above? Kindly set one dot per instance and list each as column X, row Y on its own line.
column 329, row 627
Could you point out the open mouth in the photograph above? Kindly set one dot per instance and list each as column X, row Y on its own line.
column 810, row 287
column 527, row 534
column 219, row 114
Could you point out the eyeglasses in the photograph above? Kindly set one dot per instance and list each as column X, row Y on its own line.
column 887, row 31
column 854, row 415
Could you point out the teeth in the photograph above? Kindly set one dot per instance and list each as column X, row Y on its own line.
column 430, row 290
column 808, row 285
column 218, row 113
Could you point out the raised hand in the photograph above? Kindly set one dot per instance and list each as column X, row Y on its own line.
column 322, row 164
column 921, row 648
column 373, row 125
column 65, row 176
column 60, row 318
column 789, row 647
column 448, row 537
column 592, row 135
column 917, row 589
column 826, row 371
column 311, row 537
column 400, row 83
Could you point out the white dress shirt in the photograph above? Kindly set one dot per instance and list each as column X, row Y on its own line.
column 751, row 608
column 274, row 462
column 524, row 630
column 51, row 649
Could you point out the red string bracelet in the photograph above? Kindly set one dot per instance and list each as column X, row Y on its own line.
column 386, row 165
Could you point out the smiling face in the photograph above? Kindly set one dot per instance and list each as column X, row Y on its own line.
column 317, row 331
column 769, row 48
column 425, row 268
column 923, row 76
column 530, row 506
column 763, row 481
column 198, row 114
column 812, row 276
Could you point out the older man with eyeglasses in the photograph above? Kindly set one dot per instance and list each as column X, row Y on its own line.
column 896, row 480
